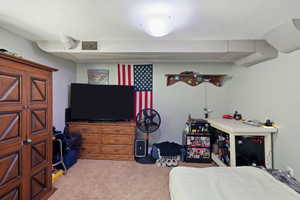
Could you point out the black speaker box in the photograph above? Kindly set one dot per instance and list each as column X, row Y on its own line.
column 68, row 115
column 140, row 148
column 250, row 151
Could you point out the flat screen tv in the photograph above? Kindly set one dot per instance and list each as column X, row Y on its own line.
column 101, row 102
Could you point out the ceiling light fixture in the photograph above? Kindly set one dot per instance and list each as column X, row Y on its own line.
column 156, row 18
column 158, row 25
column 159, row 18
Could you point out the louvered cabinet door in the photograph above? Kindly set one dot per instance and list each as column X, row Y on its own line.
column 40, row 127
column 12, row 133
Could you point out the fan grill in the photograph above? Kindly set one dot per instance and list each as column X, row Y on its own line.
column 148, row 120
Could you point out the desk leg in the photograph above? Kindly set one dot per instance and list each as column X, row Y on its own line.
column 232, row 151
column 268, row 151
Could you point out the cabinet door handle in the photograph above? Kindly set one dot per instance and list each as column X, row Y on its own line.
column 27, row 107
column 26, row 142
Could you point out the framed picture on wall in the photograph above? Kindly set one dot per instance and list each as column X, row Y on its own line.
column 98, row 76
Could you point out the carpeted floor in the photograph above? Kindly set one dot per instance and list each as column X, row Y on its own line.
column 114, row 180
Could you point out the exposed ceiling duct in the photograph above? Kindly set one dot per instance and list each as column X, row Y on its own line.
column 243, row 52
column 263, row 52
column 285, row 37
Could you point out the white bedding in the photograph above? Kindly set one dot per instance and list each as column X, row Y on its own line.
column 225, row 183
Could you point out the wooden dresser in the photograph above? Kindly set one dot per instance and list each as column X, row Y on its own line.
column 25, row 129
column 106, row 140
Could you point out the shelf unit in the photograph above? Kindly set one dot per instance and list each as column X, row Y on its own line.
column 197, row 141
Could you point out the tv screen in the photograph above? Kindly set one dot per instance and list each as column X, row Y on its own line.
column 101, row 102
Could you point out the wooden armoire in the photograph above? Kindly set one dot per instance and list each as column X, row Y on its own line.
column 25, row 129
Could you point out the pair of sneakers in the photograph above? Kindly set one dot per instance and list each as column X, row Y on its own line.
column 167, row 162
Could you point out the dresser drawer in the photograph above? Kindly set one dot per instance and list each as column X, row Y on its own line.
column 90, row 149
column 118, row 131
column 90, row 129
column 74, row 129
column 91, row 139
column 85, row 129
column 117, row 149
column 117, row 139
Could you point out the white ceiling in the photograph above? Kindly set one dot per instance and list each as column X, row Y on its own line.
column 122, row 19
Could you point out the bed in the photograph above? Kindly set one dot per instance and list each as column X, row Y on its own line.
column 225, row 183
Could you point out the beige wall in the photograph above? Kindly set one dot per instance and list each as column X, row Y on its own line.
column 272, row 90
column 61, row 79
column 175, row 102
column 267, row 90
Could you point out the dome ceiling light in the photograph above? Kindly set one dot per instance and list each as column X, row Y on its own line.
column 158, row 25
column 156, row 18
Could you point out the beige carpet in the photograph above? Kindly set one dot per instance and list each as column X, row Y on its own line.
column 114, row 180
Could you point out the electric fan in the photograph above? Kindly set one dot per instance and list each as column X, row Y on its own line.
column 147, row 121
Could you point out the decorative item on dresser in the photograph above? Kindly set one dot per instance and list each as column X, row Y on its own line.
column 106, row 140
column 25, row 129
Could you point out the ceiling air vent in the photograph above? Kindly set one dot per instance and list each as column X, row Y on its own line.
column 89, row 45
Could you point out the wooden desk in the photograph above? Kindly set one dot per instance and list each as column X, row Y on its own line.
column 236, row 128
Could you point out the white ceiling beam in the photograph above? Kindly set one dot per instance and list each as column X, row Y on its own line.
column 167, row 50
column 133, row 46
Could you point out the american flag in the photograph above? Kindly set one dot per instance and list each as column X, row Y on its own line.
column 139, row 76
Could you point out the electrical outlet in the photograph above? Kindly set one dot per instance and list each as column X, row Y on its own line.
column 290, row 170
